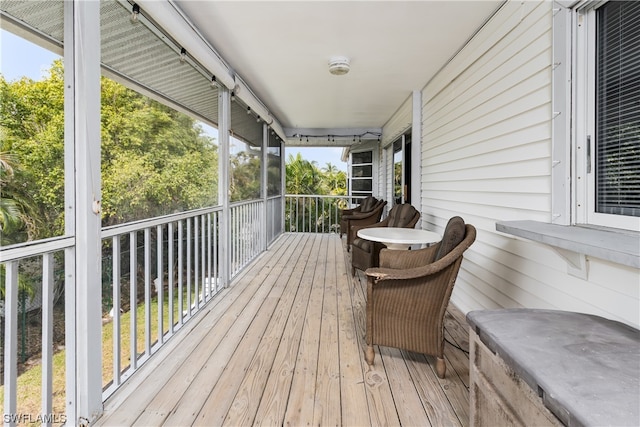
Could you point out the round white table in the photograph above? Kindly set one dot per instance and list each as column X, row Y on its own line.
column 399, row 238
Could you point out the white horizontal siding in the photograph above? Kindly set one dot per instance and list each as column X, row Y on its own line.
column 398, row 123
column 388, row 183
column 486, row 156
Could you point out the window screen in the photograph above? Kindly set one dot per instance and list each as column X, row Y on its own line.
column 617, row 157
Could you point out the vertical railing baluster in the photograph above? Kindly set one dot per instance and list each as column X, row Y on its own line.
column 47, row 336
column 115, row 309
column 133, row 299
column 216, row 266
column 196, row 259
column 189, row 243
column 170, row 272
column 159, row 283
column 203, row 257
column 241, row 211
column 180, row 273
column 243, row 240
column 234, row 236
column 209, row 245
column 11, row 339
column 255, row 236
column 147, row 291
column 255, row 222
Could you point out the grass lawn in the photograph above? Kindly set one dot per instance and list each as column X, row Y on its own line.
column 29, row 383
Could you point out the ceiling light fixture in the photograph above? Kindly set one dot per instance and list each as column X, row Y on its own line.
column 339, row 65
column 135, row 12
column 214, row 81
column 183, row 55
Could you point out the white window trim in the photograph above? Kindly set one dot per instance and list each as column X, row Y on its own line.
column 583, row 100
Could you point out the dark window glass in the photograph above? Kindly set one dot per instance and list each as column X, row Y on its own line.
column 361, row 171
column 361, row 185
column 363, row 157
column 617, row 145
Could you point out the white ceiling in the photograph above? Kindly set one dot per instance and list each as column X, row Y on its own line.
column 281, row 49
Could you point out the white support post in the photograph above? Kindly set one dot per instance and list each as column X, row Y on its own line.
column 224, row 124
column 82, row 60
column 265, row 185
column 69, row 219
column 283, row 186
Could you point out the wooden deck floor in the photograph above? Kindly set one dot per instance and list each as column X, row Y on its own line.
column 283, row 346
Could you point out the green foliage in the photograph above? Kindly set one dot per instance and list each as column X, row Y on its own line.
column 32, row 124
column 245, row 176
column 304, row 177
column 154, row 160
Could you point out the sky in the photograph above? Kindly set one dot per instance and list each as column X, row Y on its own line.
column 20, row 58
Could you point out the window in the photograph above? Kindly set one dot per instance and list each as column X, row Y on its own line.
column 274, row 166
column 617, row 155
column 606, row 95
column 361, row 175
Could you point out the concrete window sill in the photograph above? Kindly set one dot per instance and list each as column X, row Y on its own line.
column 576, row 242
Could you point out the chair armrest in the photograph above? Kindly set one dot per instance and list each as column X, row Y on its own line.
column 361, row 215
column 356, row 228
column 382, row 274
column 350, row 211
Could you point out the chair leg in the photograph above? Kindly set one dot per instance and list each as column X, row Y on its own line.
column 369, row 354
column 353, row 271
column 441, row 368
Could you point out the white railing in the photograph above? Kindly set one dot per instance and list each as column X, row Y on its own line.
column 313, row 213
column 247, row 233
column 30, row 283
column 162, row 271
column 274, row 218
column 157, row 274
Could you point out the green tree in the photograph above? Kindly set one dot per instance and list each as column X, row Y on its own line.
column 245, row 176
column 303, row 176
column 10, row 212
column 32, row 123
column 154, row 159
column 334, row 180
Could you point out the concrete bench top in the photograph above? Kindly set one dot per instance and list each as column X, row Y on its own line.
column 585, row 368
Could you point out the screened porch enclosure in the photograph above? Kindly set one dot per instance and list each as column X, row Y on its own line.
column 143, row 278
column 494, row 123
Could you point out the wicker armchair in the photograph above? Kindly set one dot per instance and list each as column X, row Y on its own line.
column 366, row 205
column 408, row 295
column 364, row 253
column 363, row 218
